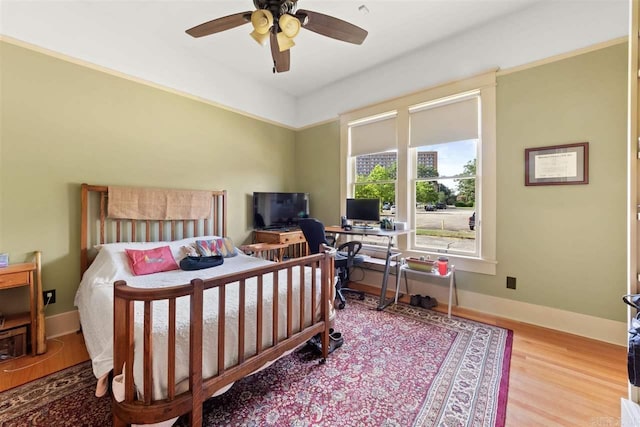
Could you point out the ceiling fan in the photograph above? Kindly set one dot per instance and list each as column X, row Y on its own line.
column 279, row 21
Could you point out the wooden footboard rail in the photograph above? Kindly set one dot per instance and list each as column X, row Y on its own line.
column 138, row 405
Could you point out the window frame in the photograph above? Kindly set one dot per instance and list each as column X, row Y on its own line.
column 485, row 261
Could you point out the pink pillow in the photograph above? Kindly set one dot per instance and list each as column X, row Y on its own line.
column 151, row 260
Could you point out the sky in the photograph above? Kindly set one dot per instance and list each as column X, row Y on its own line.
column 453, row 156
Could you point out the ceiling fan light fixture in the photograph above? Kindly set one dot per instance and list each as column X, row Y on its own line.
column 290, row 25
column 284, row 42
column 279, row 22
column 262, row 20
column 260, row 37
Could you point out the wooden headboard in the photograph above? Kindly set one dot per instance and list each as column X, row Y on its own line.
column 98, row 228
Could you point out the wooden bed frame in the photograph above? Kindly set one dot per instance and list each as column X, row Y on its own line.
column 98, row 228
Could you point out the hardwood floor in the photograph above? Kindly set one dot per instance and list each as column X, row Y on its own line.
column 62, row 352
column 556, row 379
column 559, row 379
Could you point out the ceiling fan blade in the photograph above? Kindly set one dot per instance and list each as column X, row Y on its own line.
column 281, row 60
column 331, row 27
column 220, row 24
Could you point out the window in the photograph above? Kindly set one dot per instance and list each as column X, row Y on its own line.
column 430, row 158
column 443, row 141
column 373, row 163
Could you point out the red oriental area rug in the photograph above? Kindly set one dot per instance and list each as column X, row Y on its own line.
column 404, row 366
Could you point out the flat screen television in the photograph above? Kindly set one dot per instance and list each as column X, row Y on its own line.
column 363, row 210
column 279, row 210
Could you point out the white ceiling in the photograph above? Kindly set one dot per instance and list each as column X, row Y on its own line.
column 147, row 40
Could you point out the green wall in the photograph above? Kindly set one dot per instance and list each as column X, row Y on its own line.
column 566, row 245
column 65, row 124
column 318, row 169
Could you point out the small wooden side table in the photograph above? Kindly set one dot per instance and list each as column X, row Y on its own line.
column 269, row 251
column 27, row 274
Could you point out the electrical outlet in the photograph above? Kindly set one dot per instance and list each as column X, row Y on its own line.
column 49, row 297
column 511, row 282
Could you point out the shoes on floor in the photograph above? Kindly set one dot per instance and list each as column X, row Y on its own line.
column 424, row 302
column 335, row 341
column 415, row 300
column 428, row 302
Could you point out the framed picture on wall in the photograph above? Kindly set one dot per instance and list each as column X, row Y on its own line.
column 557, row 164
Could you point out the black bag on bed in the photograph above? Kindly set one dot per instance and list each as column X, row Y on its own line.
column 633, row 356
column 200, row 262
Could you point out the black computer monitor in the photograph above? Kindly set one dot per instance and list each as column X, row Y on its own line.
column 363, row 210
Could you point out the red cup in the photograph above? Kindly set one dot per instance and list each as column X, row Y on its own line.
column 443, row 266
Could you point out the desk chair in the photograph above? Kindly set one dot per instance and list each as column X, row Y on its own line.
column 346, row 257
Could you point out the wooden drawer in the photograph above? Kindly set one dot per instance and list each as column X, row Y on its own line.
column 12, row 280
column 293, row 237
column 288, row 237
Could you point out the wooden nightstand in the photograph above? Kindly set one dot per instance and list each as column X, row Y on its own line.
column 16, row 276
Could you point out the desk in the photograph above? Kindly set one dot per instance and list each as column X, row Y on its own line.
column 389, row 234
column 451, row 275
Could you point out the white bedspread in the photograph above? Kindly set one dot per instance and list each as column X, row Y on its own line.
column 94, row 300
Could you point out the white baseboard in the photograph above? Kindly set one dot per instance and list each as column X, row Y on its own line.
column 62, row 324
column 566, row 321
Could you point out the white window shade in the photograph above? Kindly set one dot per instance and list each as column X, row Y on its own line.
column 373, row 137
column 456, row 121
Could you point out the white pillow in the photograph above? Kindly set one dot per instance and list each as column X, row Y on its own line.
column 175, row 245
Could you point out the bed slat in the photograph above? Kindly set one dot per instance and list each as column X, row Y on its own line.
column 274, row 311
column 171, row 357
column 148, row 353
column 302, row 299
column 222, row 295
column 289, row 301
column 241, row 314
column 259, row 315
column 195, row 353
column 103, row 208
